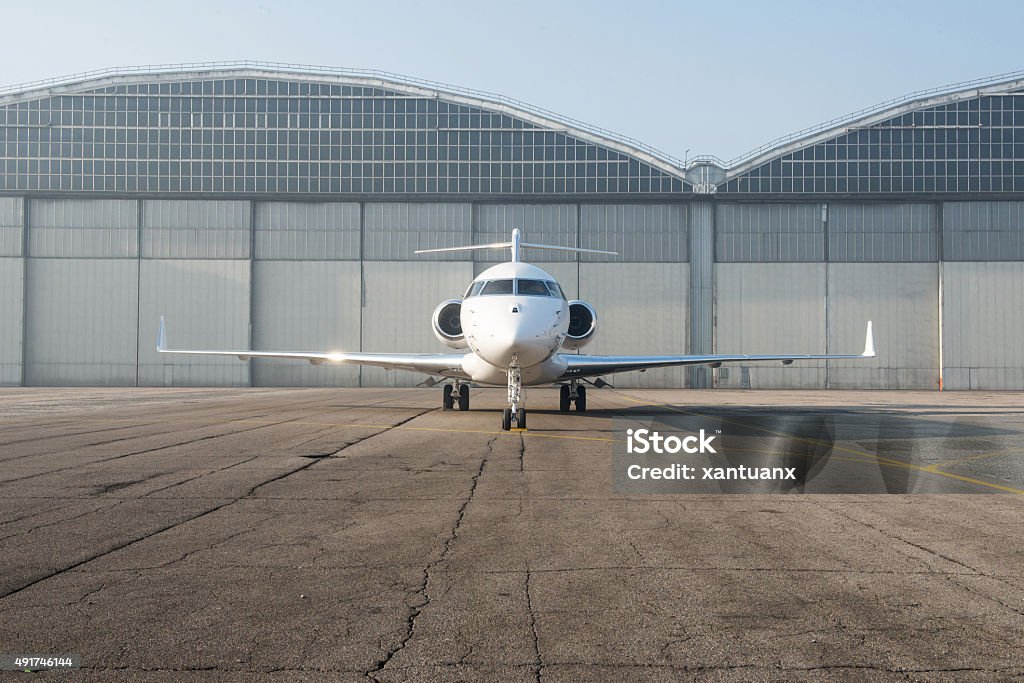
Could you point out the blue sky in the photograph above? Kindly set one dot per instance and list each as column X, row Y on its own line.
column 711, row 78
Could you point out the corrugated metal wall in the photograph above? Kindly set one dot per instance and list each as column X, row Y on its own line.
column 195, row 229
column 640, row 233
column 87, row 228
column 983, row 231
column 400, row 297
column 307, row 231
column 81, row 321
column 883, row 232
column 394, row 231
column 556, row 224
column 306, row 306
column 206, row 303
column 641, row 309
column 93, row 269
column 983, row 325
column 702, row 289
column 770, row 308
column 903, row 302
column 11, row 225
column 11, row 314
column 769, row 233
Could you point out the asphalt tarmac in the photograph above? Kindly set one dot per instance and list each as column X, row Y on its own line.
column 364, row 534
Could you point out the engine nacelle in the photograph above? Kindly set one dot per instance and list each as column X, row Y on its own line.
column 582, row 325
column 447, row 324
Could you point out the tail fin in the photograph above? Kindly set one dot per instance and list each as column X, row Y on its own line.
column 869, row 343
column 161, row 336
column 517, row 245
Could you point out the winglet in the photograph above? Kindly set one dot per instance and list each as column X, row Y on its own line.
column 869, row 343
column 161, row 336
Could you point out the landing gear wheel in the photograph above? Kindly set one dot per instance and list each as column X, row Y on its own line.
column 521, row 418
column 463, row 398
column 581, row 399
column 563, row 398
column 447, row 403
column 506, row 419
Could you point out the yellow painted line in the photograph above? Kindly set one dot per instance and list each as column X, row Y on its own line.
column 879, row 459
column 993, row 454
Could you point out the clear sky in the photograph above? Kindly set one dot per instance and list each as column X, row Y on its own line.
column 710, row 77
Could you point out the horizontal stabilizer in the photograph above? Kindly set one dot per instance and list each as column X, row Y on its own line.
column 517, row 245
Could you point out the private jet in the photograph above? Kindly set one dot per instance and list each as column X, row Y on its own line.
column 514, row 327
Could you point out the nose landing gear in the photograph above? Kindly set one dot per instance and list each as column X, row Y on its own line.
column 570, row 393
column 455, row 394
column 516, row 398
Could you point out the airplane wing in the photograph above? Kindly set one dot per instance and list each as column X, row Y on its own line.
column 592, row 366
column 445, row 364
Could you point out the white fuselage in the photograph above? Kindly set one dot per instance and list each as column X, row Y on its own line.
column 524, row 326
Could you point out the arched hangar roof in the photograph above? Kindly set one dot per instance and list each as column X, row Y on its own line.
column 968, row 137
column 289, row 128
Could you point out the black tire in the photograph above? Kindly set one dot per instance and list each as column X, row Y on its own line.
column 563, row 399
column 506, row 419
column 521, row 418
column 464, row 398
column 447, row 402
column 581, row 399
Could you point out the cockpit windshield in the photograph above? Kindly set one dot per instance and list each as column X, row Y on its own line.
column 497, row 287
column 556, row 291
column 532, row 288
column 522, row 287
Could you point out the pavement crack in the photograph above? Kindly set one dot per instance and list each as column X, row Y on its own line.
column 538, row 660
column 64, row 520
column 167, row 527
column 423, row 592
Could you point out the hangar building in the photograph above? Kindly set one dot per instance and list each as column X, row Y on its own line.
column 275, row 206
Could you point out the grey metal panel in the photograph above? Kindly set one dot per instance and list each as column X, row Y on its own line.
column 11, row 318
column 902, row 300
column 305, row 306
column 393, row 232
column 399, row 299
column 983, row 231
column 192, row 229
column 554, row 224
column 883, row 232
column 307, row 230
column 770, row 308
column 11, row 225
column 206, row 303
column 84, row 228
column 641, row 233
column 701, row 293
column 81, row 321
column 769, row 233
column 983, row 325
column 641, row 310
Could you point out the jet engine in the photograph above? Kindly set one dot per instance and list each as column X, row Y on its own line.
column 447, row 324
column 582, row 325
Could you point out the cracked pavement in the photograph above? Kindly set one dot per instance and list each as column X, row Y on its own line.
column 365, row 535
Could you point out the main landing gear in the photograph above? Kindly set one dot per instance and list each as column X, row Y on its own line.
column 516, row 412
column 455, row 393
column 570, row 393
